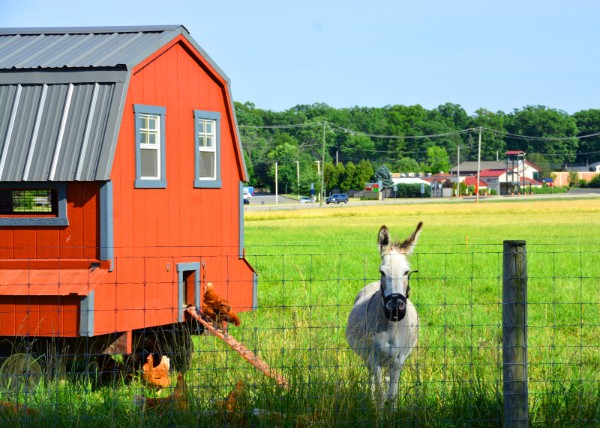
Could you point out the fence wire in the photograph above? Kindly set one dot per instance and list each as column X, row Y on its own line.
column 454, row 377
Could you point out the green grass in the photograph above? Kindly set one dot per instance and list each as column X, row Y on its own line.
column 311, row 265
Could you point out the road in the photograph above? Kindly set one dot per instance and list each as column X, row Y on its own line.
column 267, row 202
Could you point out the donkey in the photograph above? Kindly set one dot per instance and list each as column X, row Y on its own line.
column 383, row 326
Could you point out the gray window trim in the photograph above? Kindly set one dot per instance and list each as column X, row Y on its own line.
column 187, row 267
column 61, row 216
column 150, row 184
column 210, row 184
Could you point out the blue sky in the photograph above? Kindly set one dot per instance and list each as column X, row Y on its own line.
column 498, row 55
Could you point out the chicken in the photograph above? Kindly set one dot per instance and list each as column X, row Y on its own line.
column 11, row 408
column 236, row 400
column 217, row 309
column 158, row 376
column 177, row 399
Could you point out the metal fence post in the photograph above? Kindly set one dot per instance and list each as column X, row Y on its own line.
column 514, row 334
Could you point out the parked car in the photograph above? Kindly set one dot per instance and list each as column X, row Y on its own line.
column 247, row 197
column 337, row 198
column 305, row 200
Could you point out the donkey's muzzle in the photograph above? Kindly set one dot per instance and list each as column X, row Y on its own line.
column 394, row 307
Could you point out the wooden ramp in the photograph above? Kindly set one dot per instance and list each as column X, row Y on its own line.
column 247, row 354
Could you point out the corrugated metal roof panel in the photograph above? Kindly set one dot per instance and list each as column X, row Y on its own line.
column 62, row 92
column 75, row 48
column 57, row 132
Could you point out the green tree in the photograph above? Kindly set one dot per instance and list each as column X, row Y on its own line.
column 437, row 160
column 588, row 123
column 541, row 162
column 340, row 174
column 358, row 147
column 492, row 142
column 384, row 175
column 350, row 172
column 554, row 133
column 331, row 175
column 364, row 174
column 407, row 165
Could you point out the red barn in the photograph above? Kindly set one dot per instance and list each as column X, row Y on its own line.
column 121, row 185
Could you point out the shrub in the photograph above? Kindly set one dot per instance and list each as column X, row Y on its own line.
column 595, row 182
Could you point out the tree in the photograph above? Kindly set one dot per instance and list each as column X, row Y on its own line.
column 384, row 175
column 340, row 171
column 588, row 122
column 331, row 175
column 407, row 165
column 492, row 142
column 363, row 175
column 554, row 133
column 541, row 162
column 348, row 180
column 357, row 147
column 437, row 160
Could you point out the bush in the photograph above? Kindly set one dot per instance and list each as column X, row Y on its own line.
column 412, row 191
column 547, row 189
column 595, row 182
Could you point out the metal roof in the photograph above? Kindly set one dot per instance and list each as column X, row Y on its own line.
column 62, row 92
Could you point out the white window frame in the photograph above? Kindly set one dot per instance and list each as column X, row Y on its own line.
column 201, row 179
column 158, row 115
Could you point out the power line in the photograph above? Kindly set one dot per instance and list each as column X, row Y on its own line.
column 334, row 126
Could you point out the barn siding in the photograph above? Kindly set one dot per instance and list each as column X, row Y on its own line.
column 78, row 240
column 39, row 316
column 154, row 229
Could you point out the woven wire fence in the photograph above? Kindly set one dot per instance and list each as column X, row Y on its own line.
column 453, row 378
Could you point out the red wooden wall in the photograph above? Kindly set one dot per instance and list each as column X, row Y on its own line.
column 155, row 229
column 39, row 315
column 78, row 240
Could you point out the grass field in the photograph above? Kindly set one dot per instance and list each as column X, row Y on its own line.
column 312, row 263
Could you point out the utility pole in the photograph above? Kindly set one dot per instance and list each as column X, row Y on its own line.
column 478, row 166
column 323, row 170
column 276, row 186
column 458, row 173
column 298, row 177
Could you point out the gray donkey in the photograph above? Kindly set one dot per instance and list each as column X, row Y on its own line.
column 383, row 326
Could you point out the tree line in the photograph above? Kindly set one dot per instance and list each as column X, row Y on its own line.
column 355, row 142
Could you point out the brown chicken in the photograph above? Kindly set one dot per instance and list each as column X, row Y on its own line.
column 217, row 309
column 12, row 408
column 236, row 400
column 177, row 399
column 158, row 376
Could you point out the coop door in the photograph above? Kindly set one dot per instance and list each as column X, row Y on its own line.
column 189, row 286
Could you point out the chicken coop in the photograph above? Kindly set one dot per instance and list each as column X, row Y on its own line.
column 121, row 193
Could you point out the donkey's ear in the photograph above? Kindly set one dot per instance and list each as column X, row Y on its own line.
column 410, row 243
column 383, row 239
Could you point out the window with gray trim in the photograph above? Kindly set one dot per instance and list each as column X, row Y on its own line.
column 207, row 141
column 150, row 146
column 33, row 204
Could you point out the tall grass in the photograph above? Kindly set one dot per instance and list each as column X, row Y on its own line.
column 311, row 265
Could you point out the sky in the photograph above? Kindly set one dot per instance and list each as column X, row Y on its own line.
column 499, row 55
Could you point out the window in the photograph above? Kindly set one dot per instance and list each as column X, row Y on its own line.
column 27, row 201
column 150, row 146
column 207, row 147
column 33, row 204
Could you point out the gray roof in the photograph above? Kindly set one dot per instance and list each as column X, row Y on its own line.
column 472, row 166
column 62, row 92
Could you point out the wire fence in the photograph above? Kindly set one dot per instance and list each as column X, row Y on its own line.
column 453, row 378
